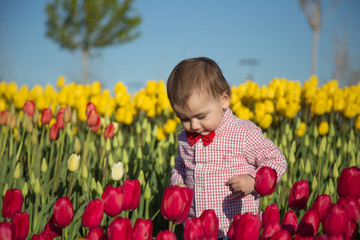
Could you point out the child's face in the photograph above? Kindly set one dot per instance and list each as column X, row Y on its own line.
column 203, row 113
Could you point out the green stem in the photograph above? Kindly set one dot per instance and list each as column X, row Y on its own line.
column 34, row 228
column 171, row 226
column 58, row 164
column 3, row 145
column 85, row 152
column 147, row 205
column 20, row 147
column 70, row 184
column 260, row 203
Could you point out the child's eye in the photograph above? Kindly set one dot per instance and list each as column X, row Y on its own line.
column 202, row 117
column 184, row 120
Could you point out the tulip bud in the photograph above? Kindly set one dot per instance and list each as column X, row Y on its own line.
column 120, row 139
column 315, row 132
column 34, row 137
column 67, row 114
column 77, row 145
column 99, row 188
column 298, row 123
column 110, row 160
column 141, row 178
column 325, row 171
column 125, row 158
column 17, row 171
column 314, row 184
column 283, row 140
column 93, row 184
column 307, row 166
column 338, row 160
column 332, row 130
column 6, row 187
column 146, row 149
column 172, row 161
column 335, row 171
column 29, row 126
column 306, row 141
column 284, row 178
column 35, row 117
column 131, row 142
column 316, row 152
column 25, row 189
column 327, row 190
column 331, row 186
column 331, row 156
column 73, row 162
column 44, row 166
column 147, row 192
column 358, row 159
column 338, row 143
column 84, row 172
column 301, row 165
column 37, row 186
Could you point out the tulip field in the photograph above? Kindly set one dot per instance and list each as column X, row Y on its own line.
column 81, row 162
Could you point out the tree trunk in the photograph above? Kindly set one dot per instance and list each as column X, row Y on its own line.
column 84, row 62
column 315, row 46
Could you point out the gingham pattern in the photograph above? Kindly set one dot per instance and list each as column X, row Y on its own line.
column 238, row 148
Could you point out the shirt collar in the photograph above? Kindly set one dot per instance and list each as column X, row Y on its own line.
column 226, row 117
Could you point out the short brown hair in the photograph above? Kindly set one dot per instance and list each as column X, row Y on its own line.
column 195, row 75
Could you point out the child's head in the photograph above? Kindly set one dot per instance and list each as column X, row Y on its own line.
column 196, row 75
column 199, row 94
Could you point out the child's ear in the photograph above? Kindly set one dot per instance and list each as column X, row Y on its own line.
column 225, row 99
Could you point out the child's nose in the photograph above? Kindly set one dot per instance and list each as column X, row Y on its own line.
column 194, row 125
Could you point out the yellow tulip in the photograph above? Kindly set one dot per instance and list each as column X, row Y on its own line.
column 160, row 134
column 323, row 128
column 95, row 88
column 266, row 121
column 60, row 81
column 350, row 110
column 292, row 109
column 3, row 105
column 281, row 104
column 269, row 106
column 301, row 131
column 119, row 88
column 151, row 87
column 73, row 162
column 357, row 123
column 11, row 90
column 319, row 106
column 128, row 119
column 170, row 126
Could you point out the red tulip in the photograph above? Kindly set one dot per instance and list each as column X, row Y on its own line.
column 46, row 116
column 335, row 220
column 52, row 228
column 231, row 231
column 60, row 118
column 5, row 230
column 193, row 229
column 54, row 132
column 92, row 118
column 265, row 181
column 247, row 227
column 63, row 212
column 93, row 214
column 290, row 222
column 4, row 117
column 119, row 227
column 12, row 202
column 96, row 234
column 351, row 230
column 97, row 125
column 299, row 237
column 175, row 203
column 165, row 235
column 113, row 200
column 109, row 131
column 282, row 234
column 270, row 214
column 20, row 226
column 89, row 107
column 29, row 108
column 299, row 195
column 270, row 229
column 210, row 223
column 349, row 182
column 321, row 237
column 42, row 236
column 351, row 206
column 321, row 204
column 142, row 229
column 309, row 224
column 132, row 191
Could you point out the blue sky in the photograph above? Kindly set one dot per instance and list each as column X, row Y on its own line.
column 276, row 33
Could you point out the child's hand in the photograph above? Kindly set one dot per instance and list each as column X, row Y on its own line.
column 181, row 185
column 241, row 185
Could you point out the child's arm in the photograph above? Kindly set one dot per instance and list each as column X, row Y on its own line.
column 178, row 173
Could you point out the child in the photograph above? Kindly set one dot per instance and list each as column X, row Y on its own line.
column 218, row 153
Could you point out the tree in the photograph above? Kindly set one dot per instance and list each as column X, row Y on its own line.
column 90, row 24
column 313, row 12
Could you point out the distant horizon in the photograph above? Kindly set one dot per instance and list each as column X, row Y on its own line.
column 275, row 37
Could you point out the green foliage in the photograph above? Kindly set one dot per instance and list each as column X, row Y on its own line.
column 87, row 25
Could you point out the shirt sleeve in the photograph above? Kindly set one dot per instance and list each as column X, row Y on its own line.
column 178, row 171
column 260, row 152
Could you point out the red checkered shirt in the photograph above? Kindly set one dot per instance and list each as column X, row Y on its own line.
column 238, row 148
